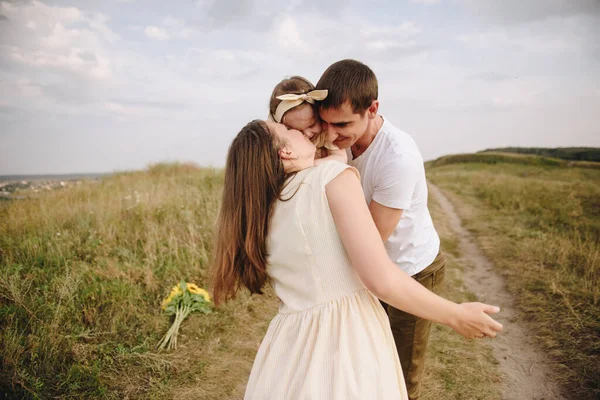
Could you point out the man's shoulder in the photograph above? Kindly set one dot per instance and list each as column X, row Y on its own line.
column 395, row 141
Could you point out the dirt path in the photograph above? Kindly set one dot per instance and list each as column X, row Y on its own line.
column 527, row 375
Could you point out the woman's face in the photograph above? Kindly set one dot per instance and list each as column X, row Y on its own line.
column 295, row 141
column 304, row 119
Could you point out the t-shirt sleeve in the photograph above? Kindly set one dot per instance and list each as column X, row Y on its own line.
column 396, row 180
column 331, row 169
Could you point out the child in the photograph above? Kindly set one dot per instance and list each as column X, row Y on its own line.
column 292, row 103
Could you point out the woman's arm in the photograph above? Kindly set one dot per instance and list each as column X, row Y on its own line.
column 384, row 279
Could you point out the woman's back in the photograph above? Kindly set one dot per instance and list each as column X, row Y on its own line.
column 308, row 264
column 331, row 338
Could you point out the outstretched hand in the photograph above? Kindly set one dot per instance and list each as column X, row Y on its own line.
column 474, row 322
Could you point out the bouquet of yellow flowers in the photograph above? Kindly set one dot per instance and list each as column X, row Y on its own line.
column 184, row 299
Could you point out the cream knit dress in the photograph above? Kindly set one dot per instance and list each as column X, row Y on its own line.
column 331, row 338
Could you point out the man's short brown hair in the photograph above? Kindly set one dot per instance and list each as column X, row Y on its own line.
column 349, row 81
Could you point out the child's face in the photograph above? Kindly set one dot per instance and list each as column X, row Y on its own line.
column 305, row 119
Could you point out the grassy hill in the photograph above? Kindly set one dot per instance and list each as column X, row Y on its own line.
column 83, row 270
column 538, row 219
column 490, row 157
column 565, row 153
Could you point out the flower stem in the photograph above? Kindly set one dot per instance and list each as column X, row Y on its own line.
column 170, row 339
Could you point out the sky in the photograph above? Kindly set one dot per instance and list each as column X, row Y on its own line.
column 111, row 85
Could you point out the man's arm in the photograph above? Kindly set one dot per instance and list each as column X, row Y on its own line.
column 386, row 219
column 393, row 192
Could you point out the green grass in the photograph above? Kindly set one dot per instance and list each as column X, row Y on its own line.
column 565, row 153
column 490, row 157
column 82, row 274
column 540, row 224
column 83, row 271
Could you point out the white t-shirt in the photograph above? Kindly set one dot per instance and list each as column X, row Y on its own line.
column 392, row 173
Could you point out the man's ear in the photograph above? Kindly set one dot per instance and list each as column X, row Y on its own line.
column 373, row 108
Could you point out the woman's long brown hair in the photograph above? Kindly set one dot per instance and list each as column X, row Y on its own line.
column 254, row 179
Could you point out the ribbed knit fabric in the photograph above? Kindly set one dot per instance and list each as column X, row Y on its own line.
column 331, row 339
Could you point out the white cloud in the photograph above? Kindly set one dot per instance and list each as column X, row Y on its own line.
column 125, row 110
column 428, row 2
column 405, row 29
column 172, row 22
column 169, row 28
column 218, row 66
column 64, row 39
column 289, row 37
column 554, row 37
column 177, row 27
column 75, row 60
column 449, row 85
column 311, row 35
column 518, row 11
column 388, row 45
column 397, row 39
column 60, row 37
column 21, row 87
column 154, row 32
column 98, row 24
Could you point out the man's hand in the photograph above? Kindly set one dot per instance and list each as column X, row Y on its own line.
column 386, row 219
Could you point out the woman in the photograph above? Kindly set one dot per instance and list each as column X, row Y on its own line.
column 307, row 230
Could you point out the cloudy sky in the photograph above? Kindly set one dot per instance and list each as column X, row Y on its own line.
column 99, row 86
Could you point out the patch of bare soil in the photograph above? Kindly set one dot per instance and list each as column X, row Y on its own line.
column 525, row 368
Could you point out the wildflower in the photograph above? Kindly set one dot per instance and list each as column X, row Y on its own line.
column 183, row 299
column 196, row 290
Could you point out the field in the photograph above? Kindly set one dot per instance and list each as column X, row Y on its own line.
column 540, row 224
column 83, row 271
column 565, row 153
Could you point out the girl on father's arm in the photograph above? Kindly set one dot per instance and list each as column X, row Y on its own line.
column 293, row 103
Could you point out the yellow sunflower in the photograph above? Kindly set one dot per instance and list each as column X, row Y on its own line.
column 174, row 293
column 193, row 288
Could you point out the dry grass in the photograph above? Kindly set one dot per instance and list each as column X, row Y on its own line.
column 457, row 368
column 82, row 274
column 541, row 227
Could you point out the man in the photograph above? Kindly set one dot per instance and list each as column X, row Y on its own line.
column 393, row 181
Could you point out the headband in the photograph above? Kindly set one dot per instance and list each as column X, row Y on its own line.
column 289, row 101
